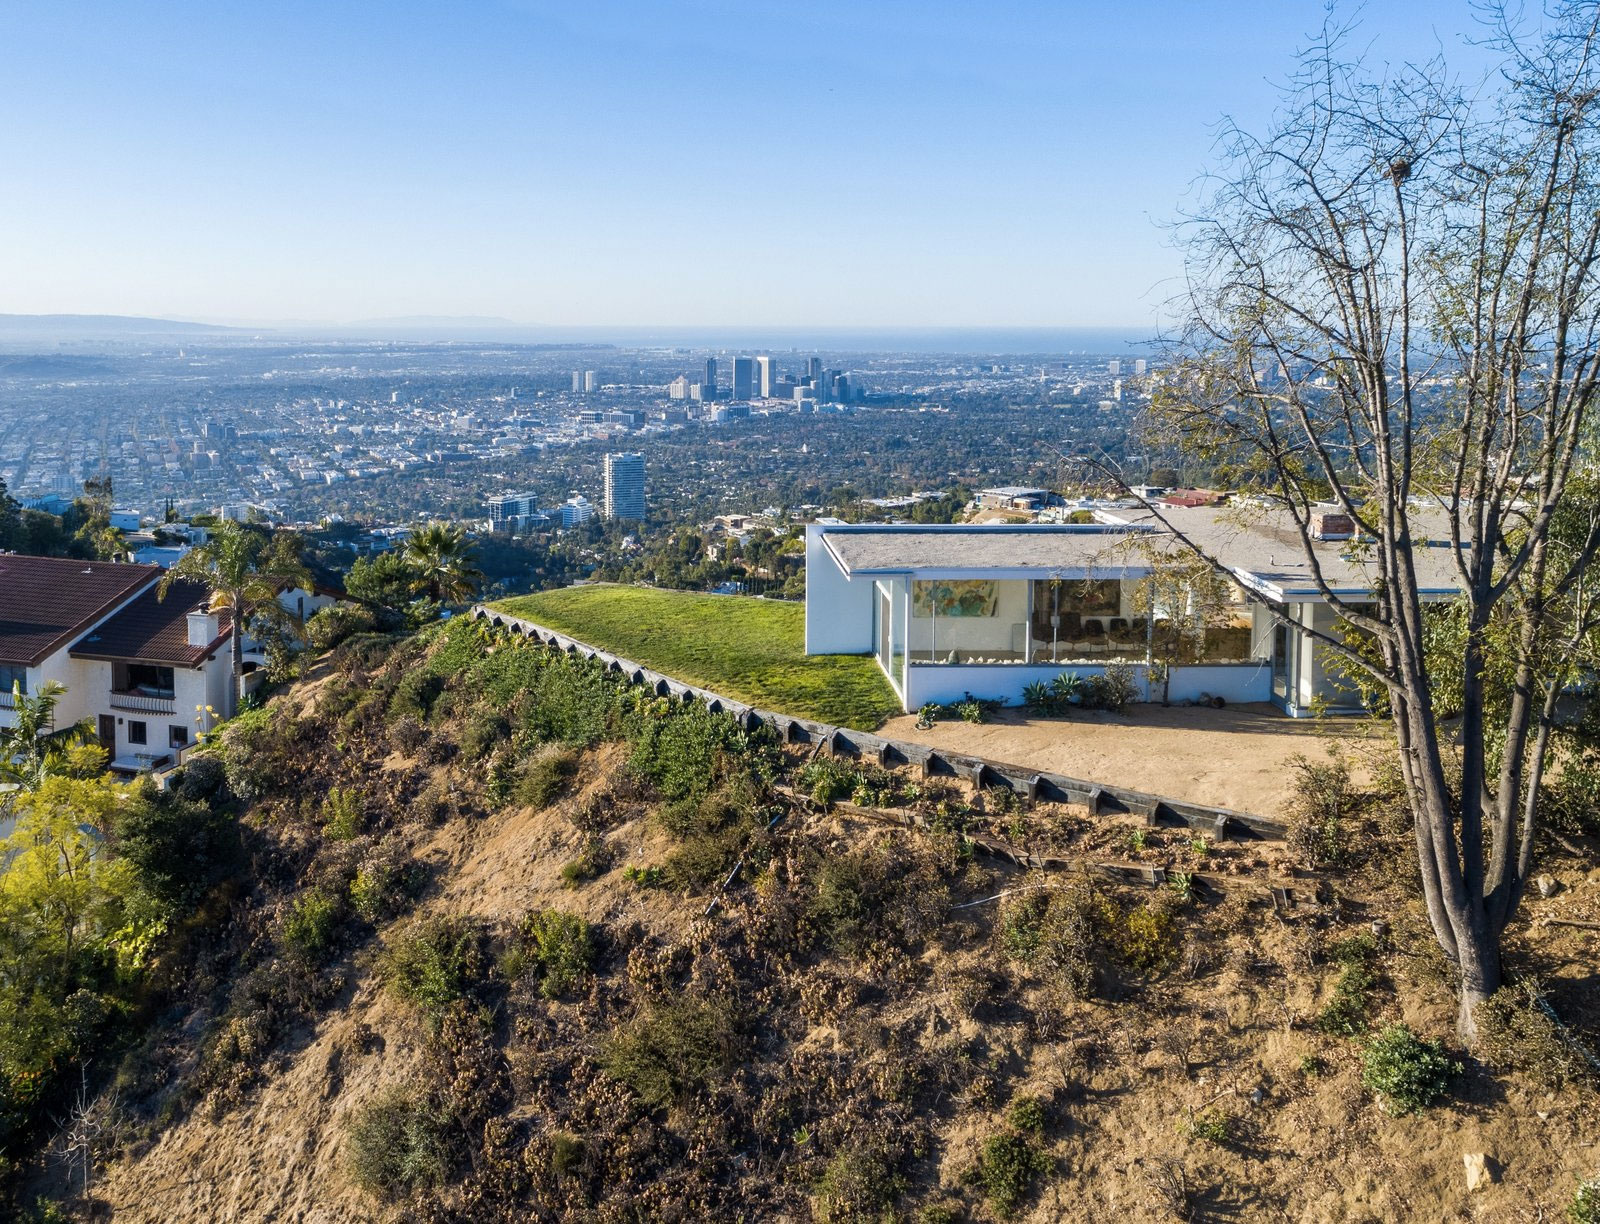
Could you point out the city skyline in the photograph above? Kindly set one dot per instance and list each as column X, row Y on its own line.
column 873, row 167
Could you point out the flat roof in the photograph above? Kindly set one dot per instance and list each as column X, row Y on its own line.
column 1259, row 545
column 1022, row 550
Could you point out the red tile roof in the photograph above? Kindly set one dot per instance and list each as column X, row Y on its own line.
column 155, row 630
column 45, row 602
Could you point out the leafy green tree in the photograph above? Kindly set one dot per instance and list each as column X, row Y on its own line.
column 11, row 528
column 33, row 748
column 1393, row 305
column 442, row 562
column 385, row 580
column 246, row 569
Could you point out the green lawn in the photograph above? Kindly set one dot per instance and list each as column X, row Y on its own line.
column 752, row 650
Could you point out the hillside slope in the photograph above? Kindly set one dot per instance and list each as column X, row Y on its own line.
column 484, row 972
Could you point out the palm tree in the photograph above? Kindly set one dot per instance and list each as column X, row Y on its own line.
column 441, row 557
column 245, row 570
column 33, row 749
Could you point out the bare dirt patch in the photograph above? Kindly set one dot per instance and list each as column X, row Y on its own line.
column 1237, row 757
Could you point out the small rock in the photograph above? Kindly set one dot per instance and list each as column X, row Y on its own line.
column 1547, row 886
column 1380, row 928
column 1257, row 1095
column 1479, row 1174
column 1542, row 1115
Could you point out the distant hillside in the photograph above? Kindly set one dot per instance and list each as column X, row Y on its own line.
column 519, row 942
column 74, row 325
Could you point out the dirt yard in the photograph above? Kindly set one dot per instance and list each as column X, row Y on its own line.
column 1235, row 757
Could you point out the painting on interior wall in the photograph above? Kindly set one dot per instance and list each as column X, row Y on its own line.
column 958, row 597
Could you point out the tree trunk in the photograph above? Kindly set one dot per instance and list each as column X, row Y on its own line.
column 1479, row 976
column 236, row 659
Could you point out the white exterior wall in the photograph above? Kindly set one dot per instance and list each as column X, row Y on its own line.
column 1235, row 683
column 838, row 610
column 941, row 685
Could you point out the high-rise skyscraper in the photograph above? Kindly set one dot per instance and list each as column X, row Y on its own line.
column 1113, row 367
column 766, row 375
column 709, row 387
column 591, row 381
column 1139, row 367
column 577, row 380
column 814, row 370
column 744, row 371
column 625, row 486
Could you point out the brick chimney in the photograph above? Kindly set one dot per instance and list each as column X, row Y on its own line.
column 1331, row 525
column 202, row 627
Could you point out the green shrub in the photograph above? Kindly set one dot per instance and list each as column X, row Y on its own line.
column 859, row 1184
column 1114, row 689
column 675, row 1048
column 593, row 860
column 1054, row 932
column 383, row 884
column 1516, row 1030
column 1029, row 1114
column 328, row 627
column 566, row 1154
column 1146, row 939
column 1585, row 1205
column 1324, row 806
column 483, row 734
column 1212, row 1125
column 434, row 962
column 415, row 695
column 178, row 846
column 1346, row 1014
column 343, row 818
column 398, row 1143
column 557, row 946
column 310, row 925
column 1008, row 1166
column 1407, row 1073
column 545, row 776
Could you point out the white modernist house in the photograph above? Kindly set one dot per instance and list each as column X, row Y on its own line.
column 987, row 610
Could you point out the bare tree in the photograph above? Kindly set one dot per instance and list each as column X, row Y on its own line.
column 1392, row 308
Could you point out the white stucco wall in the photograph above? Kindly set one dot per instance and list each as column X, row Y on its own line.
column 1235, row 683
column 838, row 610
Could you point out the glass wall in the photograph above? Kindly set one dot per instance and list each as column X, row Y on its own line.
column 976, row 620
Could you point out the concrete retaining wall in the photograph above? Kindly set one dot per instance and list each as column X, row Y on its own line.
column 1098, row 797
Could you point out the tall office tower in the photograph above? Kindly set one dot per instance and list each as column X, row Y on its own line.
column 1113, row 367
column 766, row 375
column 577, row 380
column 591, row 381
column 1138, row 367
column 814, row 370
column 709, row 387
column 625, row 486
column 1116, row 389
column 678, row 388
column 744, row 370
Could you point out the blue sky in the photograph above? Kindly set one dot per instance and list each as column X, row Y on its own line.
column 700, row 162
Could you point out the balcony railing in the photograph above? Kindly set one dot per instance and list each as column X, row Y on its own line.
column 141, row 703
column 7, row 702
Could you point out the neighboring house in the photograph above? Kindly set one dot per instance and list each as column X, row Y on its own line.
column 987, row 610
column 149, row 674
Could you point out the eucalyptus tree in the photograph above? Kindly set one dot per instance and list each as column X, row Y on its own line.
column 1392, row 307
